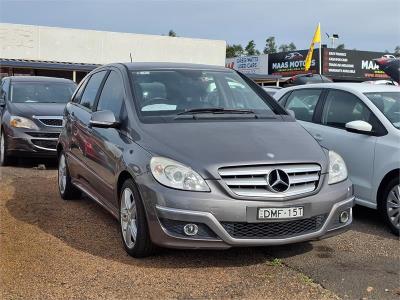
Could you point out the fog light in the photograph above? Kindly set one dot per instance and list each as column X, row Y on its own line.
column 190, row 229
column 344, row 216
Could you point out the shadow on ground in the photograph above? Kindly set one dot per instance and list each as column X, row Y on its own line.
column 85, row 226
column 28, row 163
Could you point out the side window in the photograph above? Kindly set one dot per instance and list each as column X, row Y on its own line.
column 78, row 94
column 303, row 103
column 282, row 100
column 343, row 107
column 89, row 95
column 112, row 97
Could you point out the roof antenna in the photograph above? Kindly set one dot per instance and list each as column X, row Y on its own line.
column 130, row 55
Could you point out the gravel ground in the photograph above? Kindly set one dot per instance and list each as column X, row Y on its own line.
column 51, row 248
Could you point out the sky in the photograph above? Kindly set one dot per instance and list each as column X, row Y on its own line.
column 361, row 24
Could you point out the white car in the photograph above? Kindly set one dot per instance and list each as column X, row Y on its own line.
column 361, row 122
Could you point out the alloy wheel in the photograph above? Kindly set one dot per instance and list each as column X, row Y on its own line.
column 62, row 174
column 128, row 218
column 393, row 206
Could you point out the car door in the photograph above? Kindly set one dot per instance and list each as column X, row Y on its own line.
column 108, row 143
column 358, row 150
column 82, row 141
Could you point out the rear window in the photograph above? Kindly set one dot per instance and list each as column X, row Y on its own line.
column 41, row 92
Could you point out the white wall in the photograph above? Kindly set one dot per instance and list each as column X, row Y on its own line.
column 101, row 47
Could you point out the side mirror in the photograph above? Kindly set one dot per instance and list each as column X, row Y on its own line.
column 359, row 127
column 291, row 112
column 103, row 119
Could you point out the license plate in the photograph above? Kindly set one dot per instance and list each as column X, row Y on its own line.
column 279, row 213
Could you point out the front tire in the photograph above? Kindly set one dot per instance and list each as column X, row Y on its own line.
column 390, row 205
column 133, row 224
column 67, row 190
column 5, row 159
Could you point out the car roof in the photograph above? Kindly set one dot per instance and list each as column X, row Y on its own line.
column 38, row 79
column 348, row 86
column 166, row 65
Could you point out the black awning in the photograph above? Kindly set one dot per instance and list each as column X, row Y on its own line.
column 48, row 65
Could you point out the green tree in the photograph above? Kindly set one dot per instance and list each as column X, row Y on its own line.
column 397, row 50
column 250, row 49
column 234, row 50
column 270, row 45
column 292, row 47
column 284, row 48
column 340, row 47
column 172, row 33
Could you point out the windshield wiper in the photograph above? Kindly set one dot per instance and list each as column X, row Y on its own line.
column 215, row 110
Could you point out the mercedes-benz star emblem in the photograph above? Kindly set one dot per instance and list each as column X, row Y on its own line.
column 278, row 181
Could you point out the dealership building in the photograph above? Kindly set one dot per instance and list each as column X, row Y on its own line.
column 72, row 53
column 339, row 65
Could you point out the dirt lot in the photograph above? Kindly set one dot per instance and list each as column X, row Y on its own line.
column 51, row 248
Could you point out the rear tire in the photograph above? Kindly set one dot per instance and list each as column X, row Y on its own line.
column 389, row 205
column 67, row 190
column 5, row 159
column 133, row 223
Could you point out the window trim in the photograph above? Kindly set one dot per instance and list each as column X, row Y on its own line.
column 98, row 91
column 380, row 130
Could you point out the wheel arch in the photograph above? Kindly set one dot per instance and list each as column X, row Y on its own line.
column 386, row 179
column 122, row 177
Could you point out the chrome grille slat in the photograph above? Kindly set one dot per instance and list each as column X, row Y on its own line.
column 295, row 190
column 304, row 178
column 264, row 170
column 251, row 181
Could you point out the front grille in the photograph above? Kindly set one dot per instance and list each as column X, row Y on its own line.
column 48, row 144
column 251, row 181
column 47, row 135
column 175, row 228
column 273, row 230
column 56, row 122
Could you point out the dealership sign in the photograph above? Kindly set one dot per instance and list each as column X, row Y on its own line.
column 351, row 64
column 291, row 63
column 257, row 64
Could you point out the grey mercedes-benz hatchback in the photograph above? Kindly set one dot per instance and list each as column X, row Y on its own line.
column 194, row 156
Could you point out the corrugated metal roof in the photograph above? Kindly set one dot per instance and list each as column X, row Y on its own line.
column 50, row 65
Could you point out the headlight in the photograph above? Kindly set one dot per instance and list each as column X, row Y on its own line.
column 337, row 168
column 20, row 122
column 176, row 175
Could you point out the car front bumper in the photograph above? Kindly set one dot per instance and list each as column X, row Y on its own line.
column 26, row 143
column 168, row 210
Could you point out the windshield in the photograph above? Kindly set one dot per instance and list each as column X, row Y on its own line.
column 41, row 92
column 171, row 92
column 389, row 104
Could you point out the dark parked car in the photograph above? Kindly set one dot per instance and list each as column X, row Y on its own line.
column 391, row 66
column 31, row 110
column 305, row 79
column 191, row 156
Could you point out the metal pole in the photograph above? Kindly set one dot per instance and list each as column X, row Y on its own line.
column 320, row 58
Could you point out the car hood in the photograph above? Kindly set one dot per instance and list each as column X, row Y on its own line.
column 207, row 146
column 28, row 110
